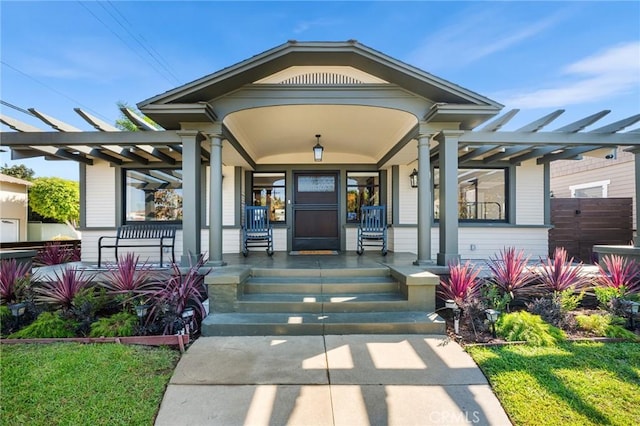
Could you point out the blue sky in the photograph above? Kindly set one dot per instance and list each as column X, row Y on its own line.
column 536, row 56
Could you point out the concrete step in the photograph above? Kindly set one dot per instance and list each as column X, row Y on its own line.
column 320, row 272
column 312, row 284
column 266, row 324
column 318, row 302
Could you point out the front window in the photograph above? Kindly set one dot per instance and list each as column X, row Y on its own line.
column 482, row 194
column 269, row 190
column 153, row 195
column 363, row 189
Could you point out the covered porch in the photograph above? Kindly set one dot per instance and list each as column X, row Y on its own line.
column 246, row 135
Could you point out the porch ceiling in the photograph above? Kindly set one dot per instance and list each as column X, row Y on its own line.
column 349, row 134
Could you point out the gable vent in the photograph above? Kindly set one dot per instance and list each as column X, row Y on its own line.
column 322, row 78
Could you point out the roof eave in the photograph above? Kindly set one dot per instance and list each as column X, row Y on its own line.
column 350, row 53
column 469, row 116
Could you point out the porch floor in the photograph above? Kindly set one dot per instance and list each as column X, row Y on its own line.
column 342, row 260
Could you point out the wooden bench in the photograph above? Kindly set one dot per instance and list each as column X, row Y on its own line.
column 161, row 236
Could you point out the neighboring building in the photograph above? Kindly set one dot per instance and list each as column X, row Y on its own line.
column 611, row 175
column 14, row 206
column 245, row 135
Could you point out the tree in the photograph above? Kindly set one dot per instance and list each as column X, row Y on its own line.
column 19, row 171
column 123, row 123
column 56, row 198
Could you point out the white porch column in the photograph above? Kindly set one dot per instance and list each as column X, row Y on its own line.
column 215, row 201
column 448, row 164
column 424, row 201
column 191, row 196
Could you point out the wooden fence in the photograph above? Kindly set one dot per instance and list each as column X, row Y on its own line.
column 71, row 247
column 581, row 223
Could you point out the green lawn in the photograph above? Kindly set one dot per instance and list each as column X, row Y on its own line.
column 75, row 384
column 570, row 384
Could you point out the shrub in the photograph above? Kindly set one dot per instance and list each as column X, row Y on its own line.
column 551, row 310
column 606, row 295
column 559, row 274
column 595, row 324
column 117, row 325
column 62, row 291
column 569, row 299
column 13, row 280
column 619, row 273
column 493, row 297
column 48, row 324
column 619, row 332
column 462, row 284
column 509, row 272
column 517, row 326
column 86, row 305
column 5, row 313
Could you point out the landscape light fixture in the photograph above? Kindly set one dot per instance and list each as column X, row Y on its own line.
column 318, row 150
column 492, row 317
column 413, row 178
column 187, row 319
column 632, row 308
column 17, row 310
column 451, row 304
column 141, row 311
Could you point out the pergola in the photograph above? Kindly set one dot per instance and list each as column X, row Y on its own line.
column 448, row 149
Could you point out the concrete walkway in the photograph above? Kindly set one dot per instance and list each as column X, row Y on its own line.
column 328, row 380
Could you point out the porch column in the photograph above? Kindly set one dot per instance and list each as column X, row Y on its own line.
column 191, row 196
column 215, row 201
column 424, row 201
column 547, row 192
column 636, row 161
column 448, row 162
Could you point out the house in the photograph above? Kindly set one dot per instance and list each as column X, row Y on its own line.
column 14, row 198
column 247, row 134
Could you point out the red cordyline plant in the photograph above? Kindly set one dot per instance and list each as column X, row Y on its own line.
column 462, row 285
column 13, row 276
column 130, row 278
column 509, row 271
column 558, row 274
column 66, row 286
column 182, row 290
column 53, row 254
column 619, row 273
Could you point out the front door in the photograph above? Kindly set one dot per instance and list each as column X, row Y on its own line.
column 315, row 211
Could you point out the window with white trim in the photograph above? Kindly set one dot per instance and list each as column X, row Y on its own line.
column 590, row 190
column 152, row 195
column 482, row 194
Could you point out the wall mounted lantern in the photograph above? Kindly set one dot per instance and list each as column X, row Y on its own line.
column 317, row 150
column 413, row 178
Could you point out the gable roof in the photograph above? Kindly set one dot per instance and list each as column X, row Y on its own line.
column 292, row 53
